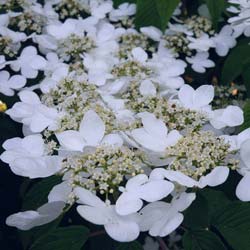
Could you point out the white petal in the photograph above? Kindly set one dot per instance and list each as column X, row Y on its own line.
column 60, row 192
column 243, row 188
column 184, row 201
column 215, row 178
column 38, row 62
column 185, row 95
column 245, row 153
column 92, row 128
column 152, row 32
column 88, row 198
column 29, row 97
column 71, row 140
column 147, row 88
column 113, row 139
column 233, row 116
column 17, row 82
column 34, row 145
column 139, row 55
column 203, row 95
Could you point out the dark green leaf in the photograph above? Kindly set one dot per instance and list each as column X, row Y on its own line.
column 196, row 216
column 246, row 123
column 233, row 222
column 216, row 8
column 67, row 238
column 237, row 61
column 38, row 193
column 202, row 240
column 135, row 245
column 155, row 12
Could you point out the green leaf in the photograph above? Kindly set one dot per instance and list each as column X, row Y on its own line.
column 216, row 8
column 196, row 216
column 154, row 12
column 118, row 2
column 237, row 61
column 233, row 223
column 64, row 238
column 135, row 245
column 38, row 193
column 246, row 110
column 246, row 78
column 202, row 240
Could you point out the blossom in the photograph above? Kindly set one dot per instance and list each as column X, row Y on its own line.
column 29, row 62
column 162, row 218
column 91, row 133
column 198, row 99
column 94, row 210
column 200, row 62
column 31, row 112
column 140, row 188
column 154, row 134
column 9, row 84
column 203, row 43
column 124, row 10
column 43, row 215
column 27, row 157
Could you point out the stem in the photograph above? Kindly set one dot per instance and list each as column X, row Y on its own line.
column 97, row 233
column 162, row 243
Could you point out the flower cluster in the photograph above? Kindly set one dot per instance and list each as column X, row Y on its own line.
column 111, row 114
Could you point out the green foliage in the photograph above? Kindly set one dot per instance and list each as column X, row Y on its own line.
column 237, row 63
column 246, row 123
column 216, row 8
column 155, row 12
column 135, row 245
column 202, row 240
column 38, row 193
column 67, row 238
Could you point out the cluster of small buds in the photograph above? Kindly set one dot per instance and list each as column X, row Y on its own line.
column 50, row 146
column 229, row 95
column 131, row 69
column 6, row 47
column 12, row 5
column 28, row 22
column 197, row 153
column 175, row 116
column 74, row 46
column 70, row 8
column 199, row 25
column 104, row 169
column 132, row 40
column 178, row 43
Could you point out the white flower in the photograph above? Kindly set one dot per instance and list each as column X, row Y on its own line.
column 9, row 84
column 216, row 177
column 43, row 215
column 224, row 40
column 91, row 133
column 200, row 62
column 198, row 99
column 15, row 37
column 31, row 112
column 154, row 134
column 27, row 157
column 161, row 218
column 29, row 62
column 94, row 210
column 243, row 190
column 203, row 43
column 100, row 9
column 2, row 62
column 124, row 10
column 231, row 116
column 152, row 32
column 140, row 188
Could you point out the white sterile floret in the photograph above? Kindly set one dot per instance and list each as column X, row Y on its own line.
column 161, row 218
column 231, row 116
column 29, row 62
column 154, row 134
column 43, row 215
column 243, row 190
column 141, row 188
column 200, row 62
column 27, row 157
column 198, row 99
column 123, row 11
column 10, row 83
column 94, row 210
column 31, row 112
column 224, row 41
column 91, row 133
column 216, row 177
column 203, row 43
